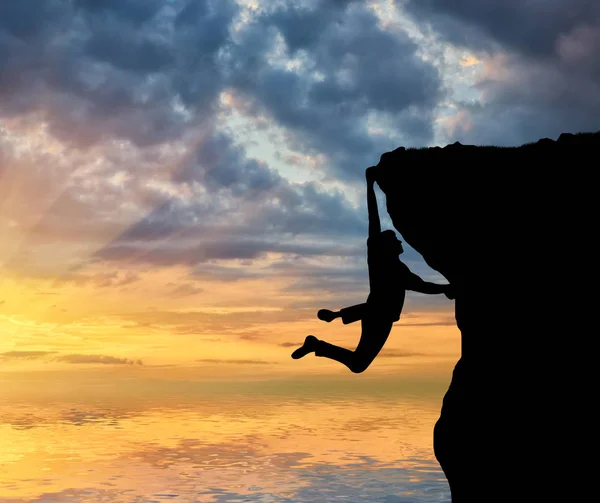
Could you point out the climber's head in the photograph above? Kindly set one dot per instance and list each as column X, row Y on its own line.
column 389, row 241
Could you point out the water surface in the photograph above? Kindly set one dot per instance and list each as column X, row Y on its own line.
column 279, row 441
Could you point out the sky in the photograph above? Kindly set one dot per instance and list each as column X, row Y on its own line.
column 182, row 182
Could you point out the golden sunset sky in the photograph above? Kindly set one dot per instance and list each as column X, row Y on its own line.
column 192, row 295
column 182, row 183
column 182, row 188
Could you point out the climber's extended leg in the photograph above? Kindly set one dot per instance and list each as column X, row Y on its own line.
column 310, row 344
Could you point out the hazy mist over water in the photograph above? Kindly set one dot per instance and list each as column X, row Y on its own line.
column 313, row 440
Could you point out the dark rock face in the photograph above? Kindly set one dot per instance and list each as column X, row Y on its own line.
column 515, row 229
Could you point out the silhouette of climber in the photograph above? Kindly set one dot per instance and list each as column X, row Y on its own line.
column 389, row 279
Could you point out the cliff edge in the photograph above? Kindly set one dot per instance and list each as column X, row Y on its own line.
column 514, row 228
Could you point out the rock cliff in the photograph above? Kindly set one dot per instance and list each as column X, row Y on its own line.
column 515, row 229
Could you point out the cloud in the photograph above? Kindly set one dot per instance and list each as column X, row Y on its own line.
column 184, row 252
column 147, row 73
column 25, row 355
column 291, row 344
column 69, row 358
column 244, row 212
column 184, row 289
column 134, row 105
column 394, row 353
column 339, row 82
column 208, row 322
column 538, row 75
column 235, row 362
column 134, row 86
column 529, row 28
column 92, row 359
column 114, row 69
column 112, row 279
column 450, row 322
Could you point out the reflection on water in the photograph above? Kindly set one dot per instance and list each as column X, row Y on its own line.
column 138, row 442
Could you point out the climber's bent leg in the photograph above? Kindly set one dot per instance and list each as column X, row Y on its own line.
column 375, row 332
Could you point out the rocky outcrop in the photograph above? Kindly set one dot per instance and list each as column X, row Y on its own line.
column 515, row 229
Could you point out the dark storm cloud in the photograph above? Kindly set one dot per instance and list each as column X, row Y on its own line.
column 226, row 248
column 117, row 47
column 134, row 12
column 390, row 82
column 118, row 69
column 27, row 19
column 327, row 115
column 151, row 71
column 110, row 69
column 220, row 164
column 548, row 79
column 530, row 28
column 247, row 211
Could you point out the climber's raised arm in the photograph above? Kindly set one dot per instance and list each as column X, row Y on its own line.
column 374, row 223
